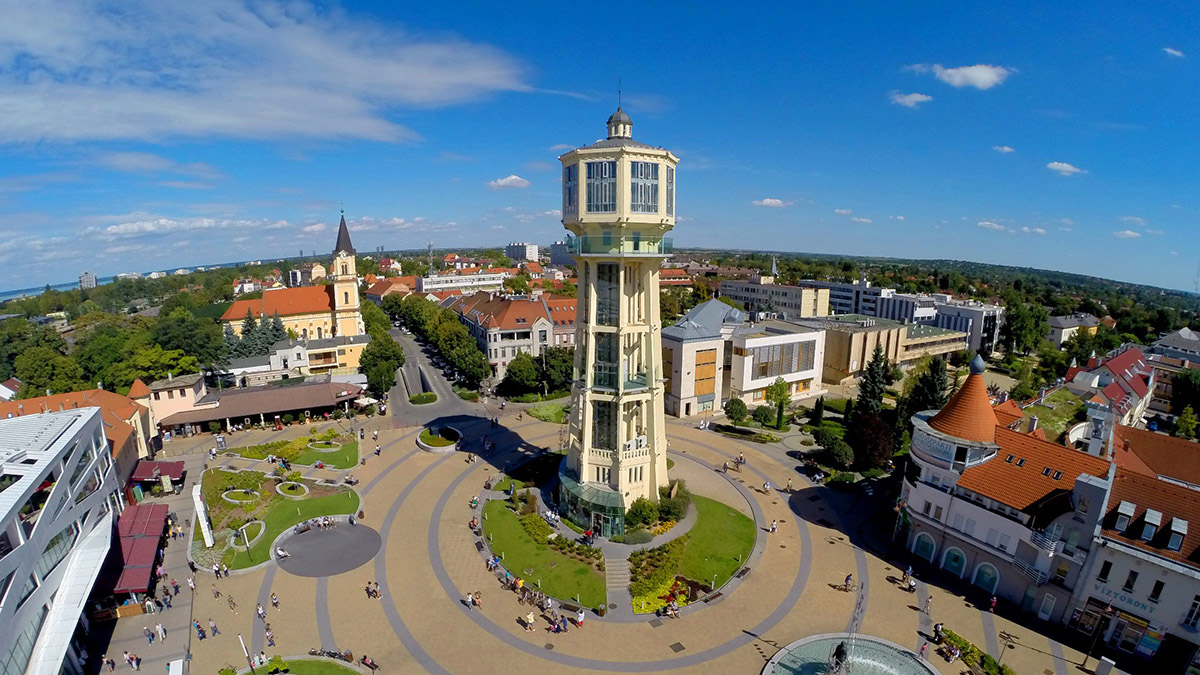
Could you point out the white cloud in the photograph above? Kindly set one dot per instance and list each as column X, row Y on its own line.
column 314, row 228
column 989, row 225
column 843, row 212
column 772, row 202
column 561, row 147
column 896, row 217
column 1067, row 221
column 912, row 100
column 1140, row 222
column 1033, row 230
column 1153, row 231
column 1126, row 234
column 185, row 184
column 146, row 163
column 149, row 70
column 857, row 219
column 979, row 76
column 510, row 181
column 1173, row 52
column 1003, row 149
column 1064, row 169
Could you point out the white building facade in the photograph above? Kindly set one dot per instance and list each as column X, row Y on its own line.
column 59, row 499
column 521, row 251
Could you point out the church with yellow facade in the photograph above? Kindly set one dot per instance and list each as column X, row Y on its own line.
column 326, row 317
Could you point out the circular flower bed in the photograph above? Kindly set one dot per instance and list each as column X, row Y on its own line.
column 250, row 531
column 241, row 496
column 325, row 446
column 438, row 440
column 292, row 489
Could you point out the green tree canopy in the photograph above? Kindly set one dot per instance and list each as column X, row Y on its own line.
column 521, row 377
column 41, row 369
column 1185, row 423
column 779, row 394
column 873, row 385
column 735, row 410
column 932, row 388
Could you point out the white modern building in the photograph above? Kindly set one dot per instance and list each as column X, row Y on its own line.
column 857, row 297
column 760, row 294
column 87, row 280
column 521, row 251
column 58, row 500
column 465, row 283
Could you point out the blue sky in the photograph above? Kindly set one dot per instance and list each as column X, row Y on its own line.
column 150, row 134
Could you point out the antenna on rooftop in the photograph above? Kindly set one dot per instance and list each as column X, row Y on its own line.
column 618, row 92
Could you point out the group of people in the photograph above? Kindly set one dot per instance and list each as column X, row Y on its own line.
column 373, row 589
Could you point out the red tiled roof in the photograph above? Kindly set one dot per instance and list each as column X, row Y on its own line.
column 1024, row 481
column 533, row 268
column 968, row 415
column 284, row 302
column 138, row 389
column 1008, row 412
column 1157, row 454
column 1172, row 501
column 13, row 384
column 490, row 311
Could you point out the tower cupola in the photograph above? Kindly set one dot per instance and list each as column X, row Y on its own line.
column 619, row 125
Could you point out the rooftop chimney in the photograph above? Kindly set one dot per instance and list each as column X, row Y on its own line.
column 1033, row 423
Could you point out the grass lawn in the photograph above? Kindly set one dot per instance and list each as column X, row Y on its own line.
column 344, row 458
column 567, row 579
column 318, row 667
column 718, row 543
column 435, row 440
column 1059, row 413
column 284, row 514
column 555, row 413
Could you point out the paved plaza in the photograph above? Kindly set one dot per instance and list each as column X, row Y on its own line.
column 428, row 560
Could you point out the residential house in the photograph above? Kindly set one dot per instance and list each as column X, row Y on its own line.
column 1063, row 328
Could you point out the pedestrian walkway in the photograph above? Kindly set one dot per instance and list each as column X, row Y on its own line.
column 616, row 581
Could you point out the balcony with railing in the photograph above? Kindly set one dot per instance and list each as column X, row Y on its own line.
column 1038, row 576
column 620, row 245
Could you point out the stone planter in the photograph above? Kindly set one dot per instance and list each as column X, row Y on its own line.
column 231, row 500
column 279, row 489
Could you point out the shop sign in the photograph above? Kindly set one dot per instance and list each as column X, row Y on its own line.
column 933, row 447
column 1117, row 596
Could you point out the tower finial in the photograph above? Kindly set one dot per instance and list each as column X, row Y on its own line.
column 618, row 92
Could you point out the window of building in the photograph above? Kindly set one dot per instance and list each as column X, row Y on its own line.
column 171, row 394
column 571, row 188
column 937, row 513
column 670, row 191
column 604, row 425
column 1156, row 592
column 602, row 187
column 1148, row 531
column 1176, row 541
column 157, row 397
column 346, row 297
column 1130, row 581
column 1122, row 522
column 926, row 509
column 1004, row 539
column 1193, row 614
column 643, row 187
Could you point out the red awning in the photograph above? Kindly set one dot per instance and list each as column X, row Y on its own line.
column 138, row 551
column 143, row 520
column 134, row 580
column 149, row 470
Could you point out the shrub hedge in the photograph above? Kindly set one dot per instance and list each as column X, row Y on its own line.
column 422, row 398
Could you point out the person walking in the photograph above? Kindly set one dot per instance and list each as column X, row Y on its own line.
column 216, row 568
column 928, row 605
column 529, row 619
column 470, row 602
column 225, row 570
column 212, row 627
column 148, row 634
column 562, row 624
column 274, row 600
column 992, row 605
column 167, row 601
column 479, row 600
column 924, row 648
column 376, row 450
column 112, row 665
column 216, row 592
column 579, row 616
column 162, row 632
column 262, row 613
column 789, row 486
column 191, row 581
column 774, row 526
column 175, row 587
column 270, row 635
column 375, row 435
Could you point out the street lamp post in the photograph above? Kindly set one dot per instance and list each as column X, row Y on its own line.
column 246, row 652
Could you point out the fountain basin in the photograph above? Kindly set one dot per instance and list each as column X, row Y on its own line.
column 868, row 656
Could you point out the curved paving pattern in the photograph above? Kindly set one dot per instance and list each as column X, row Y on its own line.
column 329, row 552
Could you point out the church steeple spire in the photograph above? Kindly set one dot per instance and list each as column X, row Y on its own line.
column 343, row 238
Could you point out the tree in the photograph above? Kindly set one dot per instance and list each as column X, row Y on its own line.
column 18, row 335
column 778, row 394
column 182, row 331
column 874, row 441
column 932, row 388
column 641, row 512
column 518, row 284
column 41, row 369
column 764, row 415
column 1025, row 326
column 558, row 368
column 276, row 332
column 521, row 376
column 735, row 410
column 99, row 351
column 731, row 302
column 1185, row 423
column 840, row 454
column 381, row 377
column 818, row 412
column 1185, row 391
column 374, row 319
column 392, row 305
column 150, row 363
column 471, row 365
column 873, row 385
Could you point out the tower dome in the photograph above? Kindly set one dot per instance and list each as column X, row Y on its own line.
column 969, row 415
column 619, row 125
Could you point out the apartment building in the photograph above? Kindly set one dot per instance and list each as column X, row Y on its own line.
column 504, row 327
column 58, row 500
column 521, row 251
column 760, row 293
column 1063, row 328
column 561, row 253
column 855, row 297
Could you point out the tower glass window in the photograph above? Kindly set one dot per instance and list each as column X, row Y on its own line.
column 604, row 425
column 643, row 187
column 571, row 188
column 607, row 294
column 670, row 191
column 602, row 187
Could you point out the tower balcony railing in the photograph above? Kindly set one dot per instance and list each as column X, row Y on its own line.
column 635, row 381
column 620, row 245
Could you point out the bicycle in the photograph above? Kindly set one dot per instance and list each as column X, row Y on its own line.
column 850, row 587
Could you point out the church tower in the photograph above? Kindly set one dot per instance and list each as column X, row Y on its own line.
column 346, row 318
column 618, row 202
